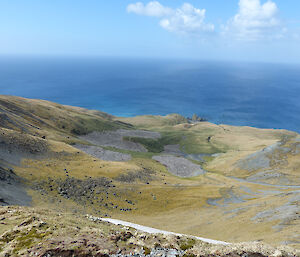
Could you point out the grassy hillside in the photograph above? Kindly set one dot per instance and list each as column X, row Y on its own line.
column 40, row 232
column 146, row 121
column 54, row 121
column 248, row 171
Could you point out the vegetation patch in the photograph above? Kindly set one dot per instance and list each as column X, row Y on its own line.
column 28, row 239
column 188, row 244
column 189, row 255
column 152, row 145
column 84, row 125
column 156, row 145
column 147, row 251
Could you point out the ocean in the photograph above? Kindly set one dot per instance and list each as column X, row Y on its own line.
column 248, row 94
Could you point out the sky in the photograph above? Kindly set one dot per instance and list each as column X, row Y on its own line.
column 243, row 30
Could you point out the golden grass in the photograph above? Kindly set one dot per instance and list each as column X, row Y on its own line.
column 168, row 202
column 146, row 121
column 178, row 206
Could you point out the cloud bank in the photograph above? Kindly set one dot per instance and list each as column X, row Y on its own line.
column 185, row 19
column 255, row 20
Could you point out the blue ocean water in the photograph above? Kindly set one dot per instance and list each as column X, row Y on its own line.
column 260, row 95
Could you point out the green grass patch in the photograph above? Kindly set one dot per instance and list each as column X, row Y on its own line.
column 188, row 244
column 26, row 240
column 83, row 126
column 208, row 158
column 157, row 145
column 152, row 145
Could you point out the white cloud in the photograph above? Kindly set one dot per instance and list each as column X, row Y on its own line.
column 186, row 19
column 255, row 21
column 151, row 9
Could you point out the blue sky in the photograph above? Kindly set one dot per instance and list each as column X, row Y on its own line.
column 248, row 30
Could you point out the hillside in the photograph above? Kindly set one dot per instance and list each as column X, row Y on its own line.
column 227, row 183
column 43, row 232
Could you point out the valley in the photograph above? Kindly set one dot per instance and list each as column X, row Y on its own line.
column 227, row 183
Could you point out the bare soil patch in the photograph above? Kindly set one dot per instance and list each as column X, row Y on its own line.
column 180, row 166
column 102, row 154
column 116, row 139
column 12, row 190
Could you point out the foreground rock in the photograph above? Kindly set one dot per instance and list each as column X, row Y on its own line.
column 34, row 232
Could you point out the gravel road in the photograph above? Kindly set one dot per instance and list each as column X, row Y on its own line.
column 154, row 230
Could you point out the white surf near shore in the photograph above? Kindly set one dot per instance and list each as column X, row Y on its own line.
column 158, row 231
